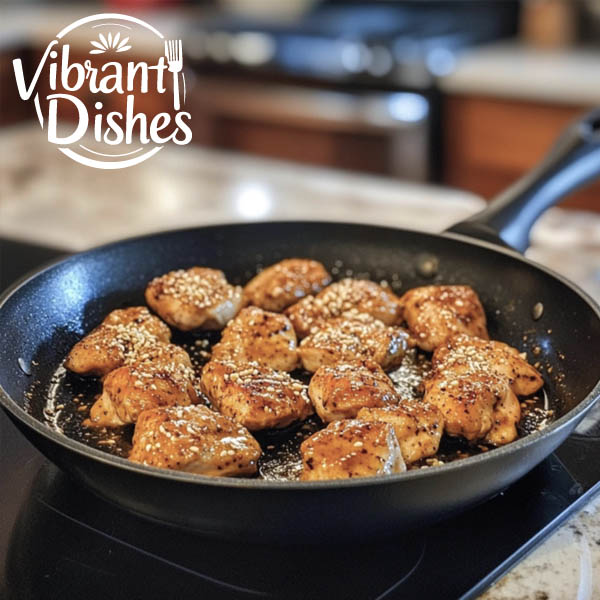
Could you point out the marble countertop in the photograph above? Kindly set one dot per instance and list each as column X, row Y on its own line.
column 515, row 70
column 49, row 199
column 565, row 566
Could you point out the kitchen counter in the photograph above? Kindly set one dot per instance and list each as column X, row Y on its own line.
column 45, row 198
column 514, row 70
column 48, row 199
column 565, row 566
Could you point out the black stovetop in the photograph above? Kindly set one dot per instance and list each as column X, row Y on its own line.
column 59, row 541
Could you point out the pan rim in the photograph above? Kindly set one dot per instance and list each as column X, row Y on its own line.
column 491, row 456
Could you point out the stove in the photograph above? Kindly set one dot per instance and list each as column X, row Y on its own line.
column 406, row 44
column 59, row 540
column 347, row 84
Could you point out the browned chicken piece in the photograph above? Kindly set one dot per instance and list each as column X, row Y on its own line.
column 354, row 336
column 418, row 426
column 120, row 339
column 256, row 396
column 507, row 413
column 340, row 391
column 285, row 282
column 475, row 383
column 257, row 335
column 466, row 354
column 466, row 402
column 351, row 448
column 435, row 312
column 140, row 316
column 194, row 298
column 194, row 439
column 163, row 377
column 341, row 296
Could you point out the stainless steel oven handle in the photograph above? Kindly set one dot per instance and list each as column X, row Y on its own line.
column 373, row 111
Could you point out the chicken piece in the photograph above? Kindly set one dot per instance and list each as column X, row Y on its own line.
column 140, row 316
column 256, row 396
column 351, row 448
column 472, row 375
column 340, row 391
column 418, row 426
column 467, row 403
column 341, row 296
column 256, row 335
column 194, row 439
column 435, row 312
column 462, row 354
column 164, row 377
column 354, row 336
column 120, row 339
column 194, row 298
column 507, row 413
column 285, row 282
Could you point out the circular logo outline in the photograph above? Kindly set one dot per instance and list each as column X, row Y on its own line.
column 77, row 157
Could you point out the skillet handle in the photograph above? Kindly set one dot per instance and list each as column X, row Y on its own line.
column 573, row 161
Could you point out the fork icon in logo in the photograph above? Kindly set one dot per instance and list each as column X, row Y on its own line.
column 174, row 57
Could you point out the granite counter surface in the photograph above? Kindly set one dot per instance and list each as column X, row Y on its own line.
column 514, row 70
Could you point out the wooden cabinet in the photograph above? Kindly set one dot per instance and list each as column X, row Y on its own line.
column 361, row 152
column 490, row 142
column 12, row 108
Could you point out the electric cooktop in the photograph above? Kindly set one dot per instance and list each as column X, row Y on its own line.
column 59, row 541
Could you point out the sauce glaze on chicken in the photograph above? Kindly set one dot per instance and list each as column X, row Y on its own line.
column 396, row 382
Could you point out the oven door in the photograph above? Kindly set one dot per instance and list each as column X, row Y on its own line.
column 378, row 132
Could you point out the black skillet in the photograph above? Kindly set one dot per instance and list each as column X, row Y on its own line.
column 42, row 316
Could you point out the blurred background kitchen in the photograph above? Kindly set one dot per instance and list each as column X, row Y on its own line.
column 333, row 109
